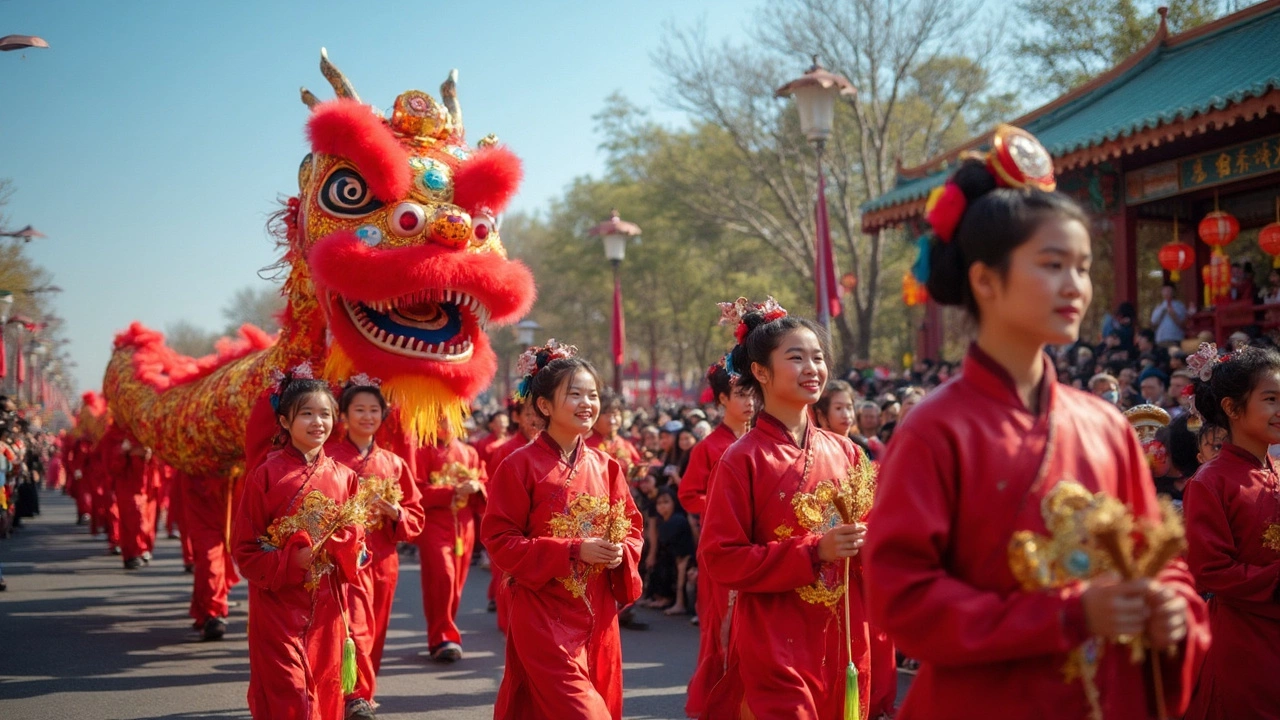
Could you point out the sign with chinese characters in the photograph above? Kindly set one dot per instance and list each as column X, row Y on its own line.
column 1225, row 165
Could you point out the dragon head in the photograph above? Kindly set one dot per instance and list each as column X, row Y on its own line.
column 394, row 226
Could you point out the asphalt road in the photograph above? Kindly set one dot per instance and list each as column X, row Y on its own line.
column 83, row 639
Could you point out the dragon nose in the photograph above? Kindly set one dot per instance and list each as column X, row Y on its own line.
column 451, row 227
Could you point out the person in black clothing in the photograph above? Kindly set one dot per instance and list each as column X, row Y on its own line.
column 1183, row 447
column 669, row 561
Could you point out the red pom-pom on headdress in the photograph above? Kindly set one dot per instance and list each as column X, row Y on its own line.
column 944, row 210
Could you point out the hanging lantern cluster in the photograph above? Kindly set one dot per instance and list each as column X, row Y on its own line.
column 1176, row 256
column 913, row 291
column 1269, row 238
column 1217, row 229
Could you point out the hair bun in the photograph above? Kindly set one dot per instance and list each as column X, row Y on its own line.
column 974, row 179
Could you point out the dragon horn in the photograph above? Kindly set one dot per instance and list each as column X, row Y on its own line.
column 449, row 95
column 309, row 99
column 340, row 84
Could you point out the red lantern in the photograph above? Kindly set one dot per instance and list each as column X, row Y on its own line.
column 1176, row 257
column 1219, row 228
column 1269, row 241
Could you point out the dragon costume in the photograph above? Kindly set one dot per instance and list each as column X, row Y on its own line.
column 395, row 269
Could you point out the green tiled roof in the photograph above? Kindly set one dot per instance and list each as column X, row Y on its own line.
column 1229, row 65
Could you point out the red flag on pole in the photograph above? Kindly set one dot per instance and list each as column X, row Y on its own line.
column 4, row 355
column 22, row 364
column 618, row 345
column 824, row 262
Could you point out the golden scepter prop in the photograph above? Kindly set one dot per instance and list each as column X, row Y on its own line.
column 1110, row 525
column 853, row 502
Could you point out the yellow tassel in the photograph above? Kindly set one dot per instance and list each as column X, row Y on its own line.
column 349, row 666
column 421, row 401
column 457, row 547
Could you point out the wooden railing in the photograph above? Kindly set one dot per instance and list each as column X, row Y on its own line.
column 1226, row 318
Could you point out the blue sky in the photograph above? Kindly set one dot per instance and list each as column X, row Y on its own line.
column 151, row 141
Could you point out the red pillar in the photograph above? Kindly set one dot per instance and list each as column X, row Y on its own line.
column 1124, row 254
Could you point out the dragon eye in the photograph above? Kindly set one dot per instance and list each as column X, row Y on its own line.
column 346, row 194
column 482, row 226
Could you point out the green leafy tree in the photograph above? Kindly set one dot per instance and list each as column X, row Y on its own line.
column 749, row 170
column 1070, row 43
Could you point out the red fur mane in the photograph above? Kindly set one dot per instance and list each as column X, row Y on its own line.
column 348, row 129
column 159, row 366
column 487, row 180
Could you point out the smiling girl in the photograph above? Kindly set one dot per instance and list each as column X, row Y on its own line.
column 980, row 462
column 362, row 409
column 561, row 523
column 298, row 558
column 773, row 534
column 1230, row 506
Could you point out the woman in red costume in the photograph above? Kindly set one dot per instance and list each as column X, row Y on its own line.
column 738, row 406
column 294, row 545
column 452, row 484
column 362, row 409
column 528, row 426
column 980, row 557
column 1233, row 534
column 773, row 534
column 604, row 436
column 561, row 523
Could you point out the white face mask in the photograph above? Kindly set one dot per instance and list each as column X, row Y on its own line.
column 1111, row 396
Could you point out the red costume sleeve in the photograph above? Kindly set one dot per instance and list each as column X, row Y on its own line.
column 412, row 517
column 931, row 614
column 533, row 562
column 1212, row 551
column 740, row 563
column 270, row 568
column 693, row 486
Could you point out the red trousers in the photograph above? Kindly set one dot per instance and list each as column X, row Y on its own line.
column 106, row 517
column 204, row 518
column 174, row 520
column 135, row 512
column 713, row 607
column 369, row 613
column 444, row 572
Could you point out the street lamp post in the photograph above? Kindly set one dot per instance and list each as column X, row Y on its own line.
column 616, row 232
column 26, row 234
column 815, row 92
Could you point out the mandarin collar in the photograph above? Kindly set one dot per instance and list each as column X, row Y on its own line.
column 292, row 451
column 550, row 445
column 359, row 452
column 774, row 426
column 1244, row 455
column 989, row 377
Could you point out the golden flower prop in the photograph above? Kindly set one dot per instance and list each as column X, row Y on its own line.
column 589, row 516
column 1271, row 538
column 376, row 488
column 320, row 517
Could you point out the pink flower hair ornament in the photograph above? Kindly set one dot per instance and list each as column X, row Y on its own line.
column 535, row 359
column 734, row 313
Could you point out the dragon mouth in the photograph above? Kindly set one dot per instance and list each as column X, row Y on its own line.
column 437, row 325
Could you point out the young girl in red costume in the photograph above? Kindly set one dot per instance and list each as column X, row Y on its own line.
column 739, row 406
column 1232, row 511
column 362, row 410
column 299, row 552
column 975, row 560
column 452, row 481
column 561, row 523
column 774, row 535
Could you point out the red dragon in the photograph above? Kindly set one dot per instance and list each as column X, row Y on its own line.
column 395, row 269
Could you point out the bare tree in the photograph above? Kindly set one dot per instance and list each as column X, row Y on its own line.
column 189, row 339
column 254, row 305
column 919, row 91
